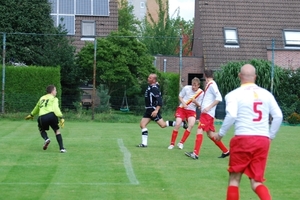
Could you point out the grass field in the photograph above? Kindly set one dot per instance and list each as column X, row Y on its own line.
column 103, row 162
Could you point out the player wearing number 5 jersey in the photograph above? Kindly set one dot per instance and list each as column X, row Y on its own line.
column 47, row 108
column 248, row 108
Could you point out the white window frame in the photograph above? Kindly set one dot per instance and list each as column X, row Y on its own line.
column 291, row 37
column 231, row 38
column 88, row 28
column 142, row 5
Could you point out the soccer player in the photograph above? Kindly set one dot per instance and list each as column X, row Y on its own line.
column 47, row 108
column 248, row 108
column 190, row 98
column 211, row 98
column 153, row 104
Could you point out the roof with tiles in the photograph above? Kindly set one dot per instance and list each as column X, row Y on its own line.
column 257, row 22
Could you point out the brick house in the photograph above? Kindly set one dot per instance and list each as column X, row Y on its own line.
column 234, row 30
column 85, row 19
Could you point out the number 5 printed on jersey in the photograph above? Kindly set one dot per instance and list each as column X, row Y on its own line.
column 257, row 111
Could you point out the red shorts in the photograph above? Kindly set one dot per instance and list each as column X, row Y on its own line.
column 248, row 155
column 184, row 113
column 206, row 122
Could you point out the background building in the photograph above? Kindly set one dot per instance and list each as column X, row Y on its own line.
column 141, row 6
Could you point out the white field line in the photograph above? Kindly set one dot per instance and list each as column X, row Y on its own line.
column 127, row 163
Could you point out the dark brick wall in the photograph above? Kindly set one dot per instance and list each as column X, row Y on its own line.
column 286, row 58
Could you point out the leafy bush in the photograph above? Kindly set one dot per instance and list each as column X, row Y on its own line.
column 294, row 119
column 288, row 92
column 170, row 89
column 104, row 99
column 227, row 77
column 25, row 85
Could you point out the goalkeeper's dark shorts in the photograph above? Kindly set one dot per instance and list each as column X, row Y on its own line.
column 48, row 120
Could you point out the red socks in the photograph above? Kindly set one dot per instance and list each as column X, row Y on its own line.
column 232, row 193
column 263, row 192
column 186, row 134
column 198, row 142
column 174, row 136
column 220, row 145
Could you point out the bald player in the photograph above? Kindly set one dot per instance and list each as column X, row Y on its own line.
column 248, row 108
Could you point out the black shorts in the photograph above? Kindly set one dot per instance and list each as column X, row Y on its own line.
column 47, row 120
column 148, row 113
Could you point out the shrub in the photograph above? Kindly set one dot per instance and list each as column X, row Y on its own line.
column 294, row 118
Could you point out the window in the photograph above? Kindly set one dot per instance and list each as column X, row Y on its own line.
column 88, row 28
column 142, row 4
column 231, row 37
column 68, row 22
column 291, row 38
column 68, row 9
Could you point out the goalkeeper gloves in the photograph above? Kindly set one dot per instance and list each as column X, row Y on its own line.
column 62, row 123
column 29, row 117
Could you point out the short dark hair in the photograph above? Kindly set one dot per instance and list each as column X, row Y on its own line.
column 50, row 88
column 209, row 73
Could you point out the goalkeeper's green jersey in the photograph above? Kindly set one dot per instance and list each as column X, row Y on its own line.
column 47, row 104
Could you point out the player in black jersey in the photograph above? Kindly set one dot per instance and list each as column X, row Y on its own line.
column 153, row 104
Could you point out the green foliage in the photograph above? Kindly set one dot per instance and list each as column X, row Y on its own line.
column 31, row 38
column 170, row 90
column 126, row 18
column 286, row 82
column 24, row 86
column 294, row 119
column 78, row 108
column 121, row 59
column 163, row 36
column 227, row 76
column 288, row 92
column 104, row 99
column 26, row 17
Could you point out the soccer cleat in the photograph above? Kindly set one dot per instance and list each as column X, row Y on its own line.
column 185, row 124
column 141, row 145
column 171, row 146
column 191, row 155
column 63, row 151
column 224, row 155
column 180, row 145
column 47, row 142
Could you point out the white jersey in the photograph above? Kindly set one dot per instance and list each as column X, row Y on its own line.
column 249, row 107
column 187, row 94
column 211, row 93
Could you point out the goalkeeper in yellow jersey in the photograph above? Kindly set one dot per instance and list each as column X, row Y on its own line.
column 49, row 114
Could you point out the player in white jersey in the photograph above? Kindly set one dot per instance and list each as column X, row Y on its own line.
column 248, row 108
column 211, row 98
column 190, row 98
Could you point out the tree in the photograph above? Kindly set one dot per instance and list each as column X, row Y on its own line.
column 33, row 39
column 227, row 76
column 121, row 60
column 288, row 92
column 163, row 36
column 126, row 19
